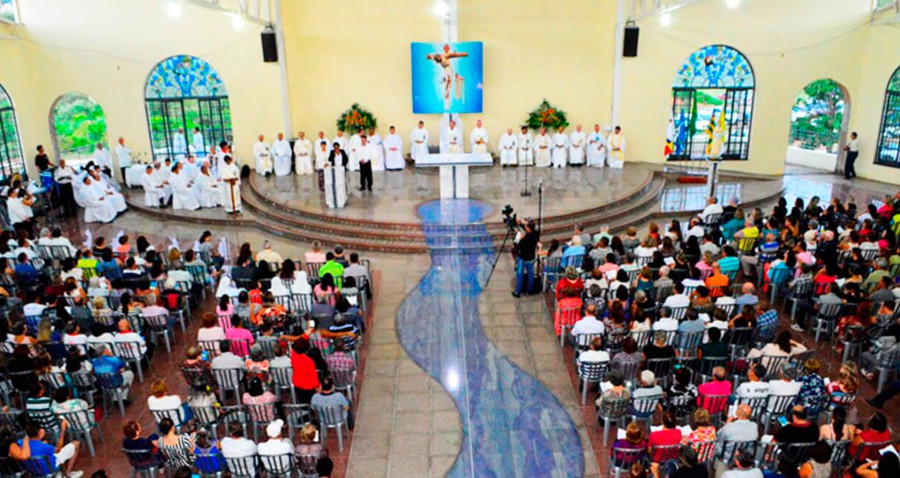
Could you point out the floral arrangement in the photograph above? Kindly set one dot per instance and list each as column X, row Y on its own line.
column 356, row 119
column 547, row 116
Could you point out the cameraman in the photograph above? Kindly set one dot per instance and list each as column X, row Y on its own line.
column 525, row 250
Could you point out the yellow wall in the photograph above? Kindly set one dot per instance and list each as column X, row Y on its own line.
column 106, row 49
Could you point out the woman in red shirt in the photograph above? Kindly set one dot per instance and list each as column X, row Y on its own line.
column 876, row 431
column 669, row 435
column 305, row 376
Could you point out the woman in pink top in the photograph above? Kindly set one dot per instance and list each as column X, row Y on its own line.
column 224, row 311
column 241, row 339
column 124, row 248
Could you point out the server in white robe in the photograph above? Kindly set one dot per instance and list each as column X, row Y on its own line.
column 262, row 153
column 419, row 142
column 231, row 186
column 123, row 154
column 179, row 144
column 336, row 177
column 478, row 138
column 102, row 183
column 576, row 146
column 616, row 146
column 542, row 144
column 163, row 171
column 183, row 196
column 155, row 192
column 507, row 148
column 453, row 142
column 206, row 189
column 355, row 141
column 281, row 150
column 341, row 139
column 321, row 154
column 596, row 148
column 102, row 159
column 560, row 148
column 378, row 148
column 98, row 207
column 191, row 169
column 393, row 151
column 526, row 154
column 198, row 144
column 303, row 151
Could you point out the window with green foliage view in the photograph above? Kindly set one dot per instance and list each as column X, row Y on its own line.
column 78, row 125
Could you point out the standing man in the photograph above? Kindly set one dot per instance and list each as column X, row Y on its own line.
column 526, row 155
column 64, row 175
column 454, row 139
column 560, row 145
column 479, row 138
column 355, row 142
column 542, row 145
column 303, row 155
column 321, row 153
column 852, row 150
column 262, row 152
column 365, row 153
column 616, row 145
column 596, row 148
column 378, row 147
column 101, row 157
column 41, row 160
column 179, row 144
column 281, row 150
column 335, row 177
column 123, row 153
column 507, row 148
column 525, row 248
column 341, row 139
column 419, row 140
column 231, row 192
column 198, row 143
column 393, row 149
column 576, row 147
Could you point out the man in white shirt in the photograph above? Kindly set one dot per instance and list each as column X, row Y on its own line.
column 852, row 150
column 542, row 144
column 576, row 147
column 127, row 336
column 525, row 155
column 589, row 323
column 101, row 157
column 262, row 153
column 303, row 150
column 755, row 387
column 695, row 229
column 479, row 138
column 276, row 444
column 179, row 144
column 156, row 194
column 365, row 153
column 123, row 153
column 393, row 150
column 786, row 385
column 227, row 359
column 198, row 143
column 353, row 148
column 712, row 208
column 236, row 445
column 18, row 207
column 596, row 354
column 507, row 148
column 678, row 299
column 268, row 255
column 560, row 147
column 419, row 140
column 665, row 324
column 281, row 150
column 35, row 307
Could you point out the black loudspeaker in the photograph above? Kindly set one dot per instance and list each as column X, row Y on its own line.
column 630, row 49
column 270, row 49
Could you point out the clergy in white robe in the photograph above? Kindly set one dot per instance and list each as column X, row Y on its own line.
column 198, row 143
column 262, row 153
column 179, row 145
column 453, row 142
column 542, row 144
column 321, row 153
column 191, row 168
column 102, row 183
column 507, row 148
column 576, row 146
column 183, row 196
column 378, row 148
column 419, row 142
column 163, row 171
column 616, row 146
column 596, row 148
column 231, row 186
column 526, row 155
column 281, row 150
column 123, row 154
column 206, row 189
column 560, row 148
column 98, row 207
column 102, row 158
column 355, row 143
column 478, row 138
column 393, row 151
column 336, row 178
column 340, row 139
column 303, row 151
column 155, row 192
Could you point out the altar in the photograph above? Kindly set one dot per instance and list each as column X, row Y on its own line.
column 454, row 171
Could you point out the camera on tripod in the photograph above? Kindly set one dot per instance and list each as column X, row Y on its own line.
column 509, row 217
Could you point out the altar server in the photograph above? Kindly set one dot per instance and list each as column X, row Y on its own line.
column 576, row 147
column 179, row 144
column 206, row 189
column 155, row 192
column 378, row 148
column 526, row 154
column 281, row 152
column 123, row 154
column 198, row 144
column 321, row 153
column 303, row 150
column 352, row 149
column 616, row 145
column 183, row 196
column 507, row 148
column 231, row 186
column 419, row 141
column 452, row 139
column 102, row 159
column 340, row 139
column 393, row 150
column 98, row 207
column 542, row 144
column 560, row 147
column 262, row 153
column 191, row 169
column 479, row 138
column 596, row 148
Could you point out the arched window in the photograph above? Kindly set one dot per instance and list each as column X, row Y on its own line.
column 11, row 157
column 888, row 152
column 77, row 124
column 817, row 116
column 712, row 105
column 187, row 107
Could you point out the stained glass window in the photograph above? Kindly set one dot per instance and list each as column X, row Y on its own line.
column 8, row 11
column 888, row 152
column 715, row 66
column 78, row 125
column 187, row 108
column 712, row 105
column 11, row 157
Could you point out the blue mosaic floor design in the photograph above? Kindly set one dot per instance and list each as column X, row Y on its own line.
column 512, row 425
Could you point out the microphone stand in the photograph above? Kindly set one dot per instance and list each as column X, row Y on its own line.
column 540, row 203
column 526, row 192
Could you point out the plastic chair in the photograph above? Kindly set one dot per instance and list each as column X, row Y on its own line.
column 278, row 466
column 130, row 352
column 41, row 466
column 622, row 459
column 332, row 417
column 229, row 379
column 242, row 467
column 778, row 405
column 588, row 373
column 611, row 410
column 565, row 319
column 887, row 366
column 344, row 381
column 210, row 464
column 826, row 319
column 643, row 408
column 111, row 386
column 158, row 326
column 174, row 414
column 81, row 424
column 281, row 377
column 296, row 416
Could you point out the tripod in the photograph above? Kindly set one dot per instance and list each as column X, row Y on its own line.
column 509, row 233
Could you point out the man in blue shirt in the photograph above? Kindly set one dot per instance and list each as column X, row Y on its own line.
column 122, row 377
column 26, row 274
column 573, row 254
column 58, row 455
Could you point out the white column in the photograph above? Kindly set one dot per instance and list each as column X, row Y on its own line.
column 617, row 62
column 282, row 67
